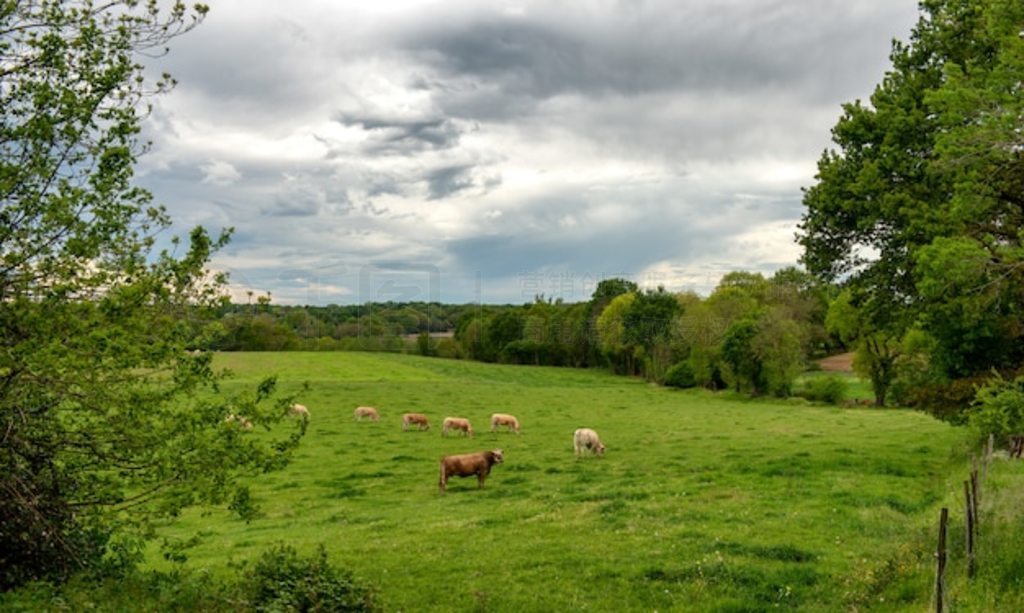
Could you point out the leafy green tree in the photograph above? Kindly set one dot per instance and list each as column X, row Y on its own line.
column 930, row 172
column 108, row 419
column 698, row 333
column 611, row 330
column 877, row 348
column 606, row 291
column 572, row 333
column 609, row 289
column 648, row 326
column 470, row 336
column 743, row 366
column 998, row 410
column 504, row 328
column 779, row 345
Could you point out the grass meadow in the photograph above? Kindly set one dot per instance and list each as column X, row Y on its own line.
column 703, row 501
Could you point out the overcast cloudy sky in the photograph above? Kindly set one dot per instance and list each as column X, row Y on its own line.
column 488, row 151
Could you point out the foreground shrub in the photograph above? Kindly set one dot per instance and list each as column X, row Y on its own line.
column 829, row 389
column 280, row 580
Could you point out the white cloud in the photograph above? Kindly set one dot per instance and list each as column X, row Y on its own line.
column 219, row 172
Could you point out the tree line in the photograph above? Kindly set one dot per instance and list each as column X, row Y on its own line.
column 752, row 333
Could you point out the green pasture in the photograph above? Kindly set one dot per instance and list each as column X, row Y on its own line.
column 702, row 502
column 858, row 390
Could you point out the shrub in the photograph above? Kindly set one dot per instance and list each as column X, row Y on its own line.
column 998, row 410
column 948, row 400
column 448, row 348
column 829, row 389
column 680, row 375
column 280, row 580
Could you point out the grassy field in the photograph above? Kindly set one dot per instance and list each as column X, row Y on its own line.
column 703, row 501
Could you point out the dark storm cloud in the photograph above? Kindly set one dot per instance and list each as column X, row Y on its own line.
column 403, row 136
column 650, row 48
column 444, row 182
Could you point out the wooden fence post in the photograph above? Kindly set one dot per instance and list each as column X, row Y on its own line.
column 969, row 520
column 975, row 486
column 940, row 568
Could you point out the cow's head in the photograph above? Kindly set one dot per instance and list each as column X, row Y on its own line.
column 498, row 456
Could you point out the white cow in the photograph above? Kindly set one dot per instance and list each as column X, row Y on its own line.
column 585, row 438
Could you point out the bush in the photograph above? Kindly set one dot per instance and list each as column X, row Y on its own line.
column 448, row 348
column 829, row 389
column 948, row 401
column 680, row 375
column 998, row 410
column 279, row 580
column 282, row 581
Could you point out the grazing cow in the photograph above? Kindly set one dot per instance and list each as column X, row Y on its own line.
column 501, row 419
column 367, row 412
column 456, row 423
column 418, row 419
column 298, row 410
column 478, row 464
column 242, row 420
column 585, row 438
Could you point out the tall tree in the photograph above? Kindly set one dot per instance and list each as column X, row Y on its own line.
column 928, row 172
column 107, row 418
column 611, row 331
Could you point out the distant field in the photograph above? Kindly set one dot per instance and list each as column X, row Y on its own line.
column 702, row 502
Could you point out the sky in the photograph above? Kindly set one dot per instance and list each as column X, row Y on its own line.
column 492, row 151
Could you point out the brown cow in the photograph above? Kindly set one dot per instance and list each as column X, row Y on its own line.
column 502, row 419
column 418, row 419
column 456, row 423
column 367, row 412
column 585, row 438
column 478, row 464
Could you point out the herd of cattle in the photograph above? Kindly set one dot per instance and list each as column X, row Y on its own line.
column 463, row 465
column 479, row 463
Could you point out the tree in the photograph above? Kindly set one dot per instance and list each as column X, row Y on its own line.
column 648, row 325
column 744, row 368
column 108, row 419
column 611, row 331
column 877, row 348
column 930, row 170
column 606, row 291
column 778, row 346
column 504, row 328
column 609, row 289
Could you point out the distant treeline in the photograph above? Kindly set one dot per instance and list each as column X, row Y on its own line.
column 752, row 333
